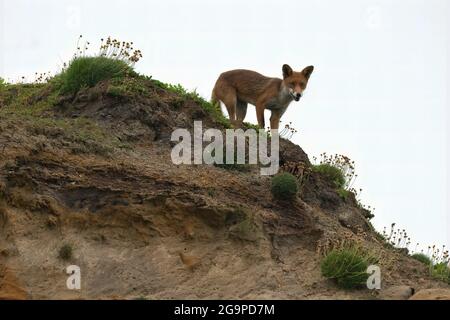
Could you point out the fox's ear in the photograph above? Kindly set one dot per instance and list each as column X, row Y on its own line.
column 307, row 71
column 287, row 71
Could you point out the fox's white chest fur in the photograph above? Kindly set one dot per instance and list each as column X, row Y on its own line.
column 281, row 101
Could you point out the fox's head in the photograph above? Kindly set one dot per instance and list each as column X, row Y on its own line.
column 296, row 82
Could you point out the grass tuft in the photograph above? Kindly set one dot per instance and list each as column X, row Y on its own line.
column 85, row 72
column 347, row 266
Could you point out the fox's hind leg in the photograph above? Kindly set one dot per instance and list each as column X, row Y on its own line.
column 241, row 112
column 229, row 99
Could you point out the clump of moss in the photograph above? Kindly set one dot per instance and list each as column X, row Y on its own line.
column 284, row 186
column 347, row 266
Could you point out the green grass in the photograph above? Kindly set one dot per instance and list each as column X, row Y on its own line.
column 347, row 266
column 441, row 272
column 213, row 110
column 422, row 258
column 27, row 100
column 344, row 194
column 88, row 71
column 127, row 88
column 85, row 134
column 331, row 173
column 31, row 104
column 3, row 84
column 284, row 186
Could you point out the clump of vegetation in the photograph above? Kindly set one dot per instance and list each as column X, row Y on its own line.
column 300, row 170
column 422, row 258
column 127, row 88
column 347, row 266
column 441, row 271
column 340, row 170
column 65, row 252
column 2, row 84
column 344, row 194
column 88, row 71
column 284, row 186
column 331, row 173
column 115, row 60
column 213, row 109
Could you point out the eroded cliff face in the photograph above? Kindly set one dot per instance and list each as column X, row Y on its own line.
column 94, row 171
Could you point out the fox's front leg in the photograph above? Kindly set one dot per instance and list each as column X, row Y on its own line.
column 275, row 119
column 260, row 115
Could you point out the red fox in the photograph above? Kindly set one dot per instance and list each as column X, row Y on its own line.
column 237, row 88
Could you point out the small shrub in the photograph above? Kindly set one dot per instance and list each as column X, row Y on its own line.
column 347, row 266
column 88, row 71
column 422, row 258
column 65, row 252
column 284, row 186
column 331, row 173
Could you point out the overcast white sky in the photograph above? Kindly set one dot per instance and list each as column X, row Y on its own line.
column 379, row 93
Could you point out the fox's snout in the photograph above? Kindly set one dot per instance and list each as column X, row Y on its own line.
column 296, row 95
